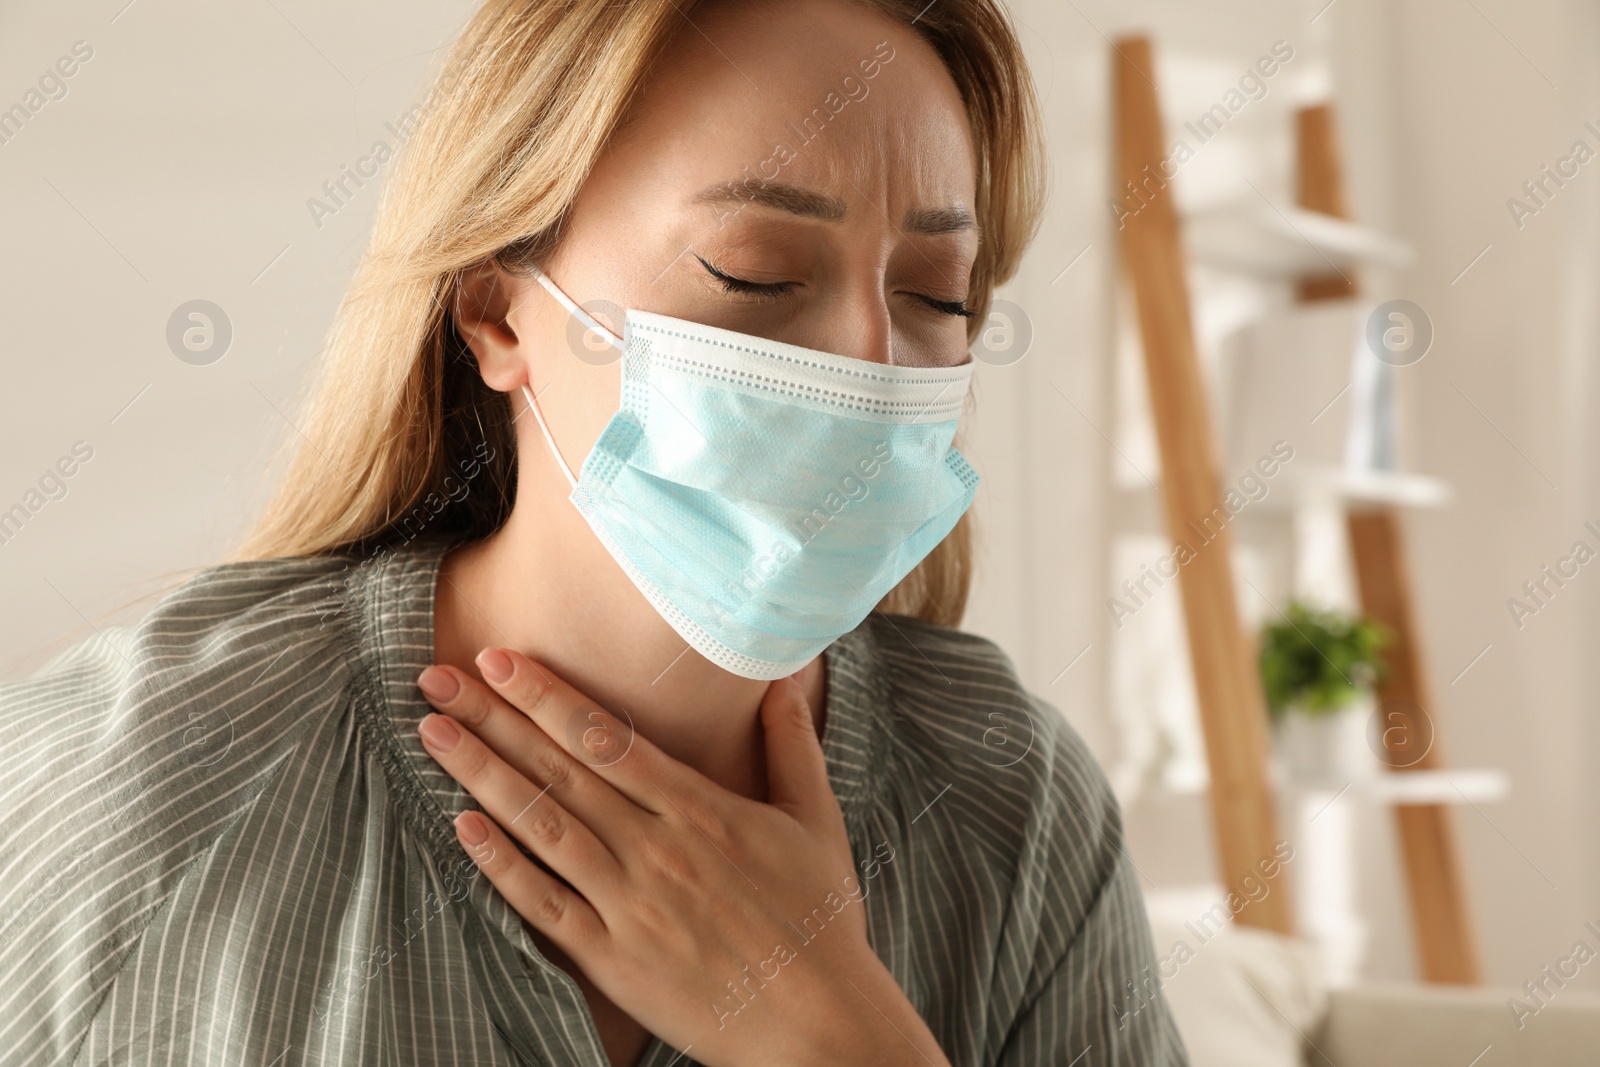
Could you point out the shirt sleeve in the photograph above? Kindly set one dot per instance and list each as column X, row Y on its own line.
column 1093, row 995
column 1096, row 1008
column 122, row 761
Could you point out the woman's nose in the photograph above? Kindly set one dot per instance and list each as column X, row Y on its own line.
column 856, row 324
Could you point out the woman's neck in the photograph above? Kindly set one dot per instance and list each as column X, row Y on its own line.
column 545, row 586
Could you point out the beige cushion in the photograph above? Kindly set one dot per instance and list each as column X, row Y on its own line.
column 1421, row 1026
column 1241, row 997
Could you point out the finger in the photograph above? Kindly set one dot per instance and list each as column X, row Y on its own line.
column 563, row 916
column 604, row 743
column 797, row 771
column 531, row 751
column 528, row 812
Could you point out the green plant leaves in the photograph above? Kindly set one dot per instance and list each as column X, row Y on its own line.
column 1320, row 661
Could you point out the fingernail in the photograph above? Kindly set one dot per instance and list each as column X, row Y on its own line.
column 438, row 685
column 495, row 665
column 471, row 829
column 440, row 732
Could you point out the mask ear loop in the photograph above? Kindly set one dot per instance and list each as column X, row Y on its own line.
column 533, row 404
column 544, row 428
column 571, row 305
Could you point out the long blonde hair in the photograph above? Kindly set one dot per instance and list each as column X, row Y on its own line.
column 515, row 117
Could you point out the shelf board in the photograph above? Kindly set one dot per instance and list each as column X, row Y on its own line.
column 1288, row 242
column 1139, row 506
column 1456, row 786
column 1460, row 786
column 1364, row 488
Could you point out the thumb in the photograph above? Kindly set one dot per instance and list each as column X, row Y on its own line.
column 797, row 772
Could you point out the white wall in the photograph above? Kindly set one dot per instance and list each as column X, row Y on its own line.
column 178, row 166
column 1465, row 105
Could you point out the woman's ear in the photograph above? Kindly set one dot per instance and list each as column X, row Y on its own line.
column 484, row 298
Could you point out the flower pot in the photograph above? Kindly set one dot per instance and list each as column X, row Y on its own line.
column 1329, row 747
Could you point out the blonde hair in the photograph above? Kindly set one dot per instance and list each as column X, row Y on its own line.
column 516, row 116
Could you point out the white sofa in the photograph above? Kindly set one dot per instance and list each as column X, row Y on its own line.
column 1404, row 1026
column 1247, row 998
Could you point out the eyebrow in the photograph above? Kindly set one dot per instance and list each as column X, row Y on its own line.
column 810, row 204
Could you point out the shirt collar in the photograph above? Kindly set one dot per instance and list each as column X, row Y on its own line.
column 392, row 600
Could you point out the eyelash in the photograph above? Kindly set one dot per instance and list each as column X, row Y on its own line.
column 773, row 290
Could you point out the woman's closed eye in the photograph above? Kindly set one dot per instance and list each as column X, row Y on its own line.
column 776, row 290
column 948, row 307
column 730, row 284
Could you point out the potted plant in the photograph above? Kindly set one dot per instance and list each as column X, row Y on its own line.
column 1319, row 668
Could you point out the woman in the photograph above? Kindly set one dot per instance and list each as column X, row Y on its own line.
column 576, row 738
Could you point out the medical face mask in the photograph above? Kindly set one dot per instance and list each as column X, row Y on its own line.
column 762, row 496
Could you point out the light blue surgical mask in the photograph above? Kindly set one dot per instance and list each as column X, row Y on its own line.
column 762, row 496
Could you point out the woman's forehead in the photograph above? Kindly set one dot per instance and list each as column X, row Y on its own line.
column 826, row 91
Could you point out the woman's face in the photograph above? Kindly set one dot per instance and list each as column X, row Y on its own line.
column 814, row 152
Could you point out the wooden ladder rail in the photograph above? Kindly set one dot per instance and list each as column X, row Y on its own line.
column 1228, row 690
column 1447, row 948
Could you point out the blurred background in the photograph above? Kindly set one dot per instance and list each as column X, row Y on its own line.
column 189, row 157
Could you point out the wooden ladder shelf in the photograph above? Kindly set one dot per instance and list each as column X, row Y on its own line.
column 1228, row 689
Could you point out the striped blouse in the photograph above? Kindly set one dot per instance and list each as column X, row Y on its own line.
column 221, row 841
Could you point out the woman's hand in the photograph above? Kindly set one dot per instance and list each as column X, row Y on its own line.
column 721, row 924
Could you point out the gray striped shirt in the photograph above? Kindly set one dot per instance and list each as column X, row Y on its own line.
column 221, row 841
